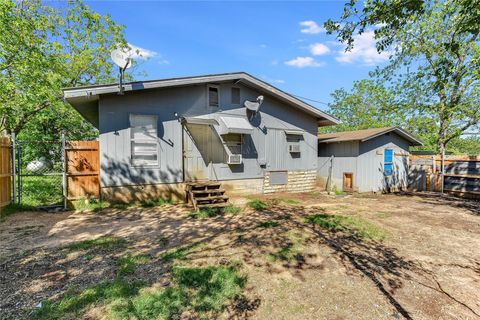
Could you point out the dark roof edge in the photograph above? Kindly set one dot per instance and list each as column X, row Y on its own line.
column 95, row 90
column 407, row 135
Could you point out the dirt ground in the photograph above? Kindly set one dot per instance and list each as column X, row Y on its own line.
column 427, row 267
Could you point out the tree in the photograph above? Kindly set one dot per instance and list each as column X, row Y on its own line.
column 367, row 105
column 435, row 58
column 44, row 49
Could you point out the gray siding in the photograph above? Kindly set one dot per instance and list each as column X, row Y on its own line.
column 267, row 144
column 344, row 160
column 365, row 161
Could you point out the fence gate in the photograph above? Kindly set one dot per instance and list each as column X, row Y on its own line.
column 40, row 177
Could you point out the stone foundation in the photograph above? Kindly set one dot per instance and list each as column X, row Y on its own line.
column 297, row 181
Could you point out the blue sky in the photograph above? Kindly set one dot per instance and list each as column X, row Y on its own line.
column 280, row 42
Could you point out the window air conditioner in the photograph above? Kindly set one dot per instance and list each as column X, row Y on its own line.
column 294, row 148
column 234, row 159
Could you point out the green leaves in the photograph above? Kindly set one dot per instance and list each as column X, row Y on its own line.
column 432, row 79
column 42, row 50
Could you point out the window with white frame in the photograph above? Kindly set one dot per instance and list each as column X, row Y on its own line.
column 144, row 140
column 213, row 96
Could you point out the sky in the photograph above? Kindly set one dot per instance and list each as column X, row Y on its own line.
column 283, row 43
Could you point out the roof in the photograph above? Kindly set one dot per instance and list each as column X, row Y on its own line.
column 367, row 134
column 81, row 97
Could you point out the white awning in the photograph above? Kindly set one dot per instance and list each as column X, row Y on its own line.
column 202, row 121
column 234, row 125
column 294, row 132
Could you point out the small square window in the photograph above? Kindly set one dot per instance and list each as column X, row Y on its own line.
column 213, row 99
column 235, row 95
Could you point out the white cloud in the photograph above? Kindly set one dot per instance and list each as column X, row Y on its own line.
column 318, row 49
column 303, row 62
column 140, row 53
column 364, row 51
column 310, row 27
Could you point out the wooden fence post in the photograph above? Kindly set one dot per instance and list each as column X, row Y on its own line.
column 5, row 172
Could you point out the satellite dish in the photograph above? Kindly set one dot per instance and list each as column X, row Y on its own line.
column 254, row 106
column 121, row 58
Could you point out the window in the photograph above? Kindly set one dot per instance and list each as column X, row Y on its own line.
column 213, row 96
column 388, row 162
column 233, row 142
column 235, row 95
column 143, row 138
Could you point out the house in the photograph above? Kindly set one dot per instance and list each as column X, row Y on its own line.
column 233, row 128
column 370, row 160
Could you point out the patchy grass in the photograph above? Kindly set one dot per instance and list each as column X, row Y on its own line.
column 268, row 224
column 100, row 242
column 291, row 251
column 357, row 225
column 70, row 306
column 337, row 191
column 128, row 263
column 155, row 203
column 205, row 213
column 292, row 201
column 12, row 208
column 231, row 209
column 257, row 205
column 181, row 253
column 203, row 290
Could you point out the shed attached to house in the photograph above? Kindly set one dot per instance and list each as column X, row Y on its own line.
column 160, row 134
column 370, row 160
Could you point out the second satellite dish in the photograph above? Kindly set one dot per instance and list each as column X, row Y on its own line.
column 121, row 58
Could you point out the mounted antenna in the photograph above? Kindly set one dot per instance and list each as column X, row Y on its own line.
column 123, row 61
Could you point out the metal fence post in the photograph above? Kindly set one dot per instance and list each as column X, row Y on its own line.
column 64, row 172
column 14, row 167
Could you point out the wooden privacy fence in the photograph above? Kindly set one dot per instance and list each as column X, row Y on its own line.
column 462, row 174
column 5, row 172
column 82, row 169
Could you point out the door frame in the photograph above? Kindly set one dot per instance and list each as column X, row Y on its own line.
column 345, row 188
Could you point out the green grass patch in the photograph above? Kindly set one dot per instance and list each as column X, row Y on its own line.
column 181, row 253
column 337, row 191
column 155, row 202
column 231, row 209
column 73, row 303
column 267, row 224
column 357, row 225
column 257, row 205
column 128, row 263
column 203, row 290
column 291, row 251
column 292, row 201
column 205, row 213
column 44, row 190
column 100, row 242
